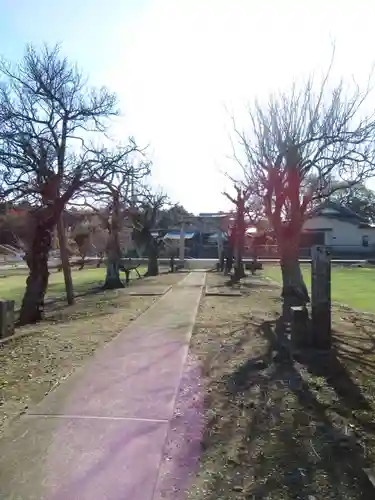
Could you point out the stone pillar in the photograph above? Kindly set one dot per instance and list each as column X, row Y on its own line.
column 6, row 318
column 321, row 297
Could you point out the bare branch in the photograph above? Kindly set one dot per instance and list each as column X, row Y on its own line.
column 44, row 105
column 303, row 140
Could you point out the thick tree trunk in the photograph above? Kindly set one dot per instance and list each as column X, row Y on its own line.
column 239, row 271
column 113, row 279
column 153, row 265
column 294, row 292
column 32, row 308
column 229, row 261
column 100, row 261
column 65, row 262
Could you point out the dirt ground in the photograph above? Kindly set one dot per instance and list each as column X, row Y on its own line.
column 276, row 427
column 34, row 364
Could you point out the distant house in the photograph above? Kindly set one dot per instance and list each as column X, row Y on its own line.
column 338, row 227
column 192, row 240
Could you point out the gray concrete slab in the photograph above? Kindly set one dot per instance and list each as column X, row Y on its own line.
column 215, row 291
column 143, row 290
column 137, row 374
column 48, row 458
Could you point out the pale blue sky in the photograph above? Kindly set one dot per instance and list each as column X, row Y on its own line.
column 177, row 64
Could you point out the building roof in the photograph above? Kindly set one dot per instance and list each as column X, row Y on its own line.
column 334, row 210
column 213, row 215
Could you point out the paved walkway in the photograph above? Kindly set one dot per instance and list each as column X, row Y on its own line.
column 112, row 431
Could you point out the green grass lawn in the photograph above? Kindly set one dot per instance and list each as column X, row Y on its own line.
column 352, row 286
column 12, row 287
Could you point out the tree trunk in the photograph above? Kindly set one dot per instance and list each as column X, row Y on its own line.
column 222, row 261
column 229, row 261
column 153, row 265
column 65, row 262
column 32, row 308
column 239, row 271
column 100, row 261
column 294, row 292
column 113, row 279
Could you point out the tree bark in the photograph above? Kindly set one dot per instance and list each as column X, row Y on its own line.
column 153, row 265
column 65, row 262
column 100, row 261
column 239, row 271
column 294, row 292
column 222, row 261
column 32, row 308
column 229, row 260
column 113, row 279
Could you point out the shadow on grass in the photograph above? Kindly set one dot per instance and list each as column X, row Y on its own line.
column 59, row 303
column 271, row 435
column 90, row 304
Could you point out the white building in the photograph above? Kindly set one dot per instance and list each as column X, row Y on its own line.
column 341, row 229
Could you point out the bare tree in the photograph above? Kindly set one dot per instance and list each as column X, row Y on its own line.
column 46, row 110
column 237, row 240
column 92, row 236
column 358, row 198
column 81, row 236
column 293, row 149
column 14, row 227
column 145, row 218
column 112, row 194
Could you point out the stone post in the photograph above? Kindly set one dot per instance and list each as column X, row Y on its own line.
column 6, row 318
column 321, row 297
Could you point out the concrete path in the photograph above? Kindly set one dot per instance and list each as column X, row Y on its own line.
column 112, row 431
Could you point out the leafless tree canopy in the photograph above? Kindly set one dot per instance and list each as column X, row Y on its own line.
column 148, row 209
column 120, row 172
column 46, row 108
column 302, row 140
